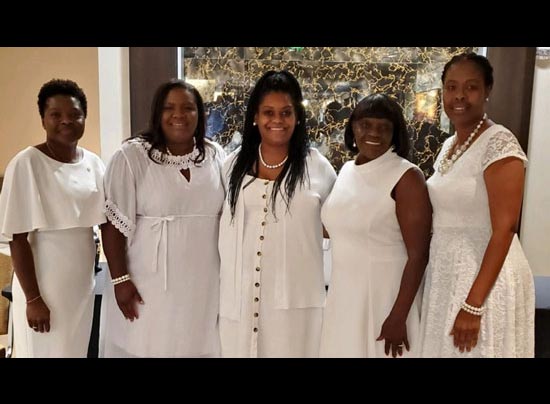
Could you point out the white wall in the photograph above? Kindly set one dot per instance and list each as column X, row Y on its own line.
column 114, row 99
column 535, row 227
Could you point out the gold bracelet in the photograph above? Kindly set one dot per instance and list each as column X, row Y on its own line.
column 33, row 299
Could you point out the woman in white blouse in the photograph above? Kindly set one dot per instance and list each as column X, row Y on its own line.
column 164, row 197
column 272, row 284
column 52, row 196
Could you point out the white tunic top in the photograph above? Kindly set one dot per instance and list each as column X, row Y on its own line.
column 57, row 204
column 461, row 232
column 368, row 258
column 171, row 226
column 272, row 282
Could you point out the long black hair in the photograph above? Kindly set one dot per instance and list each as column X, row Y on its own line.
column 154, row 134
column 295, row 166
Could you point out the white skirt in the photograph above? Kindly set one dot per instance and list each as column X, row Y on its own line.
column 64, row 266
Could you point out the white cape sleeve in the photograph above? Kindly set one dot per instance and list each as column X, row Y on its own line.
column 21, row 210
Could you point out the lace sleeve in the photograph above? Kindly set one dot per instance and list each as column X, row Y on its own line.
column 501, row 145
column 120, row 194
column 119, row 219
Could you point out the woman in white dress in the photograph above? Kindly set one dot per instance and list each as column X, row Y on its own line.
column 164, row 197
column 272, row 283
column 479, row 295
column 51, row 198
column 379, row 217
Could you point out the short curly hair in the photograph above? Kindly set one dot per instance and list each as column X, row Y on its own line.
column 61, row 87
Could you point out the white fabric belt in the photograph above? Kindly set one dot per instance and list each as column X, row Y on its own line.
column 159, row 226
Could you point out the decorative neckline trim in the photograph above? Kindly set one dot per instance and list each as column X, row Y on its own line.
column 183, row 162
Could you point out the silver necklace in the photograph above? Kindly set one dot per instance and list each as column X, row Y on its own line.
column 54, row 155
column 447, row 162
column 51, row 151
column 271, row 166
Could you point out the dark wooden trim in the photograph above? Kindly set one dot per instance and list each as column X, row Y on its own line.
column 149, row 67
column 510, row 101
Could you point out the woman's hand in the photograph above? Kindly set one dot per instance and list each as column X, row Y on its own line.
column 127, row 296
column 38, row 315
column 465, row 331
column 394, row 332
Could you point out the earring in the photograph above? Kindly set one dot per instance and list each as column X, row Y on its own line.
column 353, row 144
column 253, row 123
column 487, row 99
column 298, row 123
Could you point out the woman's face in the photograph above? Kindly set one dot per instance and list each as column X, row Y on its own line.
column 464, row 93
column 373, row 137
column 276, row 118
column 179, row 116
column 63, row 120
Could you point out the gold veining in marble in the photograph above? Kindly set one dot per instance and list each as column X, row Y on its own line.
column 333, row 80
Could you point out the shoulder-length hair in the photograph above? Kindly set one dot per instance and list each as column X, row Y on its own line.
column 154, row 133
column 380, row 106
column 294, row 168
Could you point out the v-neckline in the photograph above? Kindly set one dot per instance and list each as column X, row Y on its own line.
column 181, row 174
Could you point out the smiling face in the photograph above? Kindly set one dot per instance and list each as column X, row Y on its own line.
column 464, row 93
column 179, row 116
column 276, row 118
column 373, row 137
column 63, row 120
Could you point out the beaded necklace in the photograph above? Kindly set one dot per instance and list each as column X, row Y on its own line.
column 272, row 166
column 447, row 162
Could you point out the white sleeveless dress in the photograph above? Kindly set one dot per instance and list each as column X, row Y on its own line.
column 368, row 258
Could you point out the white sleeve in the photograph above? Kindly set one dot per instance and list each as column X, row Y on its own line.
column 328, row 175
column 228, row 167
column 120, row 194
column 21, row 209
column 502, row 144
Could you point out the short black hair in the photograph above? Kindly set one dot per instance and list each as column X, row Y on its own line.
column 61, row 87
column 380, row 106
column 481, row 61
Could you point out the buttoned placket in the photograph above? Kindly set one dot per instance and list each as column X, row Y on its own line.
column 256, row 278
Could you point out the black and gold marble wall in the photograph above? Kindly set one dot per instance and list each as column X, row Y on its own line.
column 333, row 80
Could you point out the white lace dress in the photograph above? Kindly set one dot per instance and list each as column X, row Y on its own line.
column 461, row 232
column 171, row 225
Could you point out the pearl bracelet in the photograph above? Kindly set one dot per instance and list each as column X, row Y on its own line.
column 120, row 279
column 476, row 311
